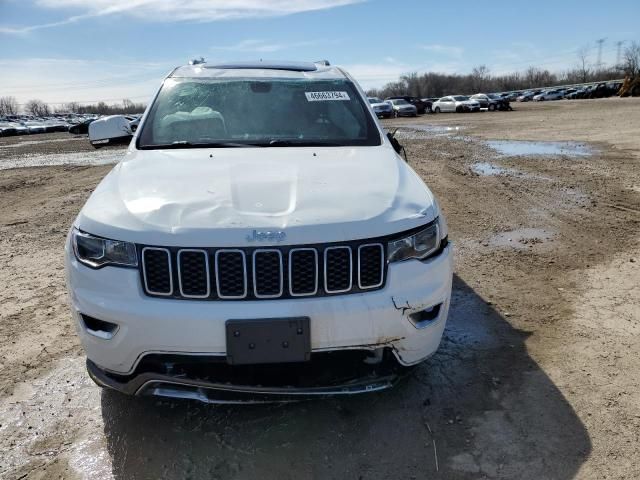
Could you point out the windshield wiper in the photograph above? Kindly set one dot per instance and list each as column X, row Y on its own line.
column 299, row 143
column 186, row 144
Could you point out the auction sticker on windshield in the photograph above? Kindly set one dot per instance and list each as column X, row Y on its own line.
column 326, row 96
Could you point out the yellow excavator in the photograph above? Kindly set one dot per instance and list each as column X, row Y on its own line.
column 630, row 87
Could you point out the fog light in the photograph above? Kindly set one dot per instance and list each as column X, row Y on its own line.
column 424, row 317
column 99, row 328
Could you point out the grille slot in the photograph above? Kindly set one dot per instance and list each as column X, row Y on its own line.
column 370, row 265
column 267, row 273
column 338, row 270
column 156, row 270
column 303, row 272
column 193, row 273
column 231, row 273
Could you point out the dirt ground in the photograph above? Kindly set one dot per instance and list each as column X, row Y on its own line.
column 537, row 377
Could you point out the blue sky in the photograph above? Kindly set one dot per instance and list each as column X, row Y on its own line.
column 89, row 50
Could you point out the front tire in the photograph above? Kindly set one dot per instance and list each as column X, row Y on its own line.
column 491, row 107
column 437, row 110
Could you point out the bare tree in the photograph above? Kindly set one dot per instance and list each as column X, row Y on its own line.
column 479, row 77
column 631, row 60
column 37, row 108
column 583, row 63
column 8, row 106
column 72, row 107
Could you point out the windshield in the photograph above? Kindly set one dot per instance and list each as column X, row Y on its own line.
column 400, row 102
column 257, row 112
column 460, row 98
column 375, row 100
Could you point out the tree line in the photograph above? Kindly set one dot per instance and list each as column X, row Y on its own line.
column 38, row 108
column 432, row 84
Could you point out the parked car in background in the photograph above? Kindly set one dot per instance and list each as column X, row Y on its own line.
column 575, row 93
column 510, row 97
column 12, row 128
column 456, row 103
column 7, row 129
column 421, row 106
column 402, row 108
column 429, row 103
column 56, row 125
column 489, row 101
column 82, row 127
column 35, row 126
column 527, row 96
column 380, row 108
column 549, row 95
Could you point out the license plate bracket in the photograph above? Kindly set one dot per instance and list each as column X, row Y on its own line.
column 268, row 340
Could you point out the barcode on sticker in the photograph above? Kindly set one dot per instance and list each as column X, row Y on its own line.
column 326, row 96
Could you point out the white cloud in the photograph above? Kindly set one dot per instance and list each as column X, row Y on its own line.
column 178, row 10
column 261, row 46
column 449, row 50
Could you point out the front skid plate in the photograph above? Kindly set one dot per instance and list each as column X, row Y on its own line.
column 154, row 384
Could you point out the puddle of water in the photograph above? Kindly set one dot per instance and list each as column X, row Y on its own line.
column 521, row 239
column 521, row 148
column 417, row 131
column 487, row 169
column 97, row 157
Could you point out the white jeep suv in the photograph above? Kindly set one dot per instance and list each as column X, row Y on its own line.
column 260, row 240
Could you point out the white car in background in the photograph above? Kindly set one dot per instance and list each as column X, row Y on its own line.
column 549, row 95
column 455, row 103
column 239, row 251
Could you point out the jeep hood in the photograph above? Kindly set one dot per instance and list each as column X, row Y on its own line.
column 217, row 197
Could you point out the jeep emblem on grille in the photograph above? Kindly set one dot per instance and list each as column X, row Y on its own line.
column 257, row 236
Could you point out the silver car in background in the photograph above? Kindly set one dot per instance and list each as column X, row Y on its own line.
column 455, row 103
column 381, row 108
column 402, row 108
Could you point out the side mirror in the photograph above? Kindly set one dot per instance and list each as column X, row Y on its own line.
column 397, row 146
column 394, row 142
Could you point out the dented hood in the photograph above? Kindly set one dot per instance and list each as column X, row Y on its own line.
column 217, row 197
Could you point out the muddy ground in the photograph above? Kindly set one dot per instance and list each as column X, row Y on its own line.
column 537, row 377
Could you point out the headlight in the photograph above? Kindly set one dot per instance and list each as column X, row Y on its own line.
column 96, row 252
column 419, row 245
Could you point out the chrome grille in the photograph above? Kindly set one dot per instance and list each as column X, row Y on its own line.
column 262, row 273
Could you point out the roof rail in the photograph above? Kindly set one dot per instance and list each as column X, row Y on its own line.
column 197, row 61
column 324, row 63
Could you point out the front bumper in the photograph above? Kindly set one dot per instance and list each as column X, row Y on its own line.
column 365, row 321
column 407, row 113
column 210, row 380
